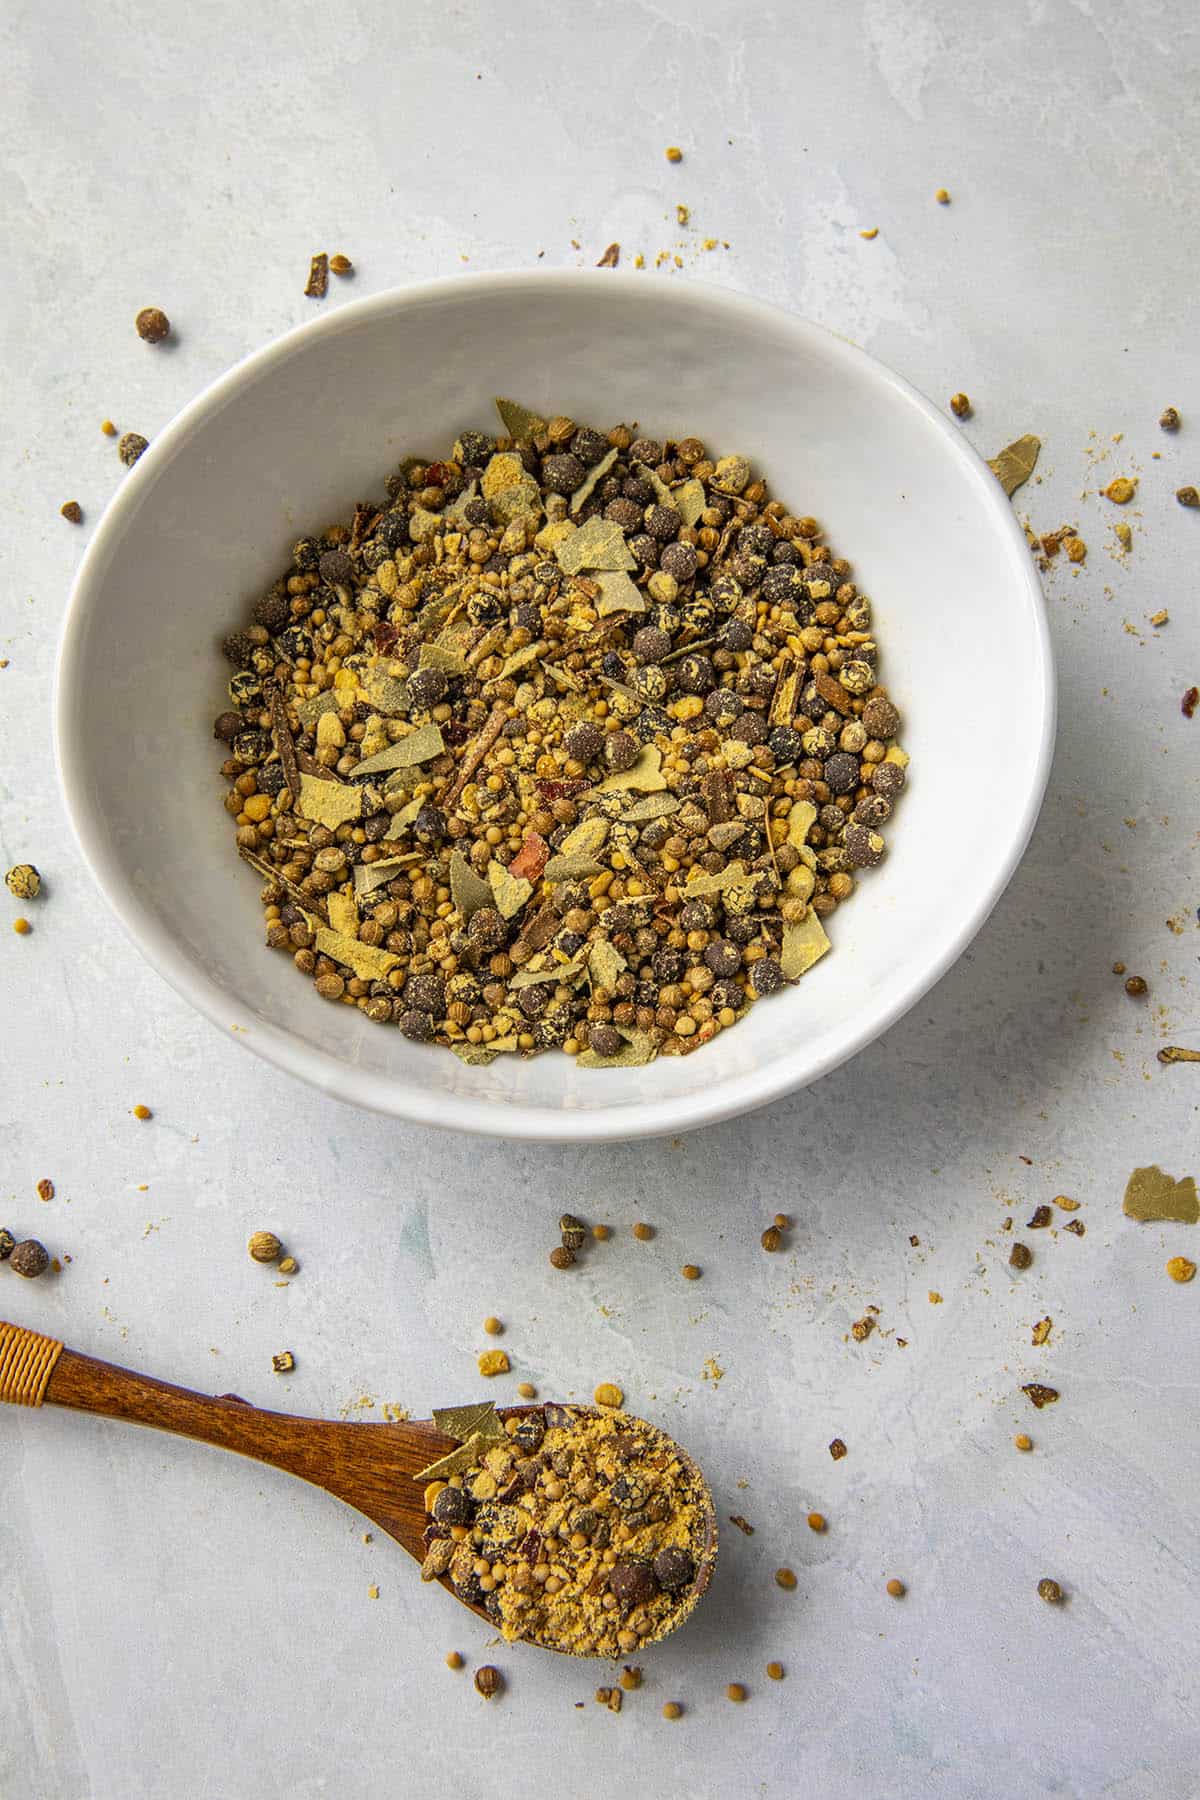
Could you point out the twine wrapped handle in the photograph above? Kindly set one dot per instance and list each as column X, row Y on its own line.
column 27, row 1362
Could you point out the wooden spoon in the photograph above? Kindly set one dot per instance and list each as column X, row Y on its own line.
column 370, row 1467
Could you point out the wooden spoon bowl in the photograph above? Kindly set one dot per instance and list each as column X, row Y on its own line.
column 371, row 1467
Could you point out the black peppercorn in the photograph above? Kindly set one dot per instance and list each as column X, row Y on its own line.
column 335, row 567
column 417, row 1025
column 29, row 1259
column 584, row 741
column 453, row 1506
column 766, row 976
column 674, row 1568
column 633, row 1583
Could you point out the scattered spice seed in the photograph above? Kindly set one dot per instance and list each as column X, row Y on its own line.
column 1049, row 1591
column 284, row 1363
column 736, row 1692
column 672, row 1710
column 935, row 1299
column 488, row 1681
column 372, row 1593
column 776, row 1671
column 71, row 510
column 494, row 1362
column 493, row 1326
column 872, row 232
column 1173, row 1053
column 1124, row 534
column 1120, row 490
column 1020, row 1256
column 1136, row 986
column 896, row 1588
column 288, row 1266
column 29, row 1258
column 631, row 1677
column 131, row 446
column 837, row 1449
column 816, row 1521
column 1041, row 1331
column 643, row 1232
column 1169, row 418
column 785, row 1578
column 318, row 277
column 340, row 265
column 862, row 1329
column 772, row 1239
column 1023, row 1441
column 1187, row 496
column 45, row 1188
column 108, row 428
column 690, row 1272
column 264, row 1247
column 611, row 257
column 601, row 1233
column 8, row 1243
column 562, row 1258
column 1076, row 1226
column 609, row 1394
column 1040, row 1219
column 573, row 1231
column 942, row 197
column 1039, row 1394
column 1075, row 548
column 673, row 153
column 682, row 213
column 960, row 406
column 142, row 1112
column 782, row 1222
column 1181, row 1268
column 24, row 881
column 453, row 1660
column 527, row 1390
column 1065, row 1203
column 1188, row 704
column 152, row 324
column 22, row 927
column 743, row 1525
column 1161, row 617
column 1118, row 968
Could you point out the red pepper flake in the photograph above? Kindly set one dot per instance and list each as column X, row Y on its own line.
column 560, row 790
column 386, row 637
column 837, row 1449
column 437, row 474
column 1189, row 703
column 531, row 858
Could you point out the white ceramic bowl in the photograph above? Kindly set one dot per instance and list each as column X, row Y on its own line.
column 291, row 437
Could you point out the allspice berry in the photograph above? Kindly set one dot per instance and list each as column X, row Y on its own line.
column 153, row 324
column 29, row 1259
column 1049, row 1590
column 24, row 881
column 561, row 1257
column 896, row 1588
column 488, row 1681
column 771, row 1238
column 265, row 1247
column 960, row 406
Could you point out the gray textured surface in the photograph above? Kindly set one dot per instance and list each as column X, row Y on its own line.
column 174, row 1625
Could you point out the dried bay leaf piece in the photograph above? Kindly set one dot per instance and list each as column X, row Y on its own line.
column 645, row 775
column 803, row 945
column 328, row 803
column 462, row 1421
column 570, row 972
column 386, row 693
column 343, row 913
column 370, row 877
column 605, row 964
column 617, row 593
column 518, row 421
column 455, row 1461
column 468, row 890
column 595, row 474
column 639, row 1048
column 368, row 962
column 689, row 500
column 585, row 838
column 598, row 544
column 476, row 1056
column 699, row 884
column 522, row 500
column 420, row 746
column 406, row 816
column 652, row 806
column 309, row 711
column 1152, row 1196
column 571, row 868
column 520, row 659
column 445, row 658
column 800, row 822
column 509, row 892
column 1013, row 465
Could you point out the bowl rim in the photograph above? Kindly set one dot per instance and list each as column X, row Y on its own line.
column 394, row 1094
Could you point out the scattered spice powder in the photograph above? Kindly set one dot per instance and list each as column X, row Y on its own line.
column 1039, row 1394
column 960, row 406
column 1076, row 549
column 1120, row 490
column 1020, row 1256
column 318, row 277
column 72, row 511
column 1065, row 1203
column 611, row 257
column 1041, row 1331
column 1161, row 617
column 862, row 1329
column 631, row 1677
column 1181, row 1268
column 283, row 1363
column 935, row 1299
column 1039, row 1219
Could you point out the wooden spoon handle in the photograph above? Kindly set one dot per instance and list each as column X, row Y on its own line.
column 27, row 1362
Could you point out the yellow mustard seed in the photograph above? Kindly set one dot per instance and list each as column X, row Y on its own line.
column 785, row 1578
column 493, row 1326
column 775, row 1670
column 672, row 1710
column 735, row 1691
column 674, row 153
column 690, row 1272
column 816, row 1521
column 609, row 1394
column 527, row 1390
column 643, row 1232
column 453, row 1660
column 22, row 927
column 1023, row 1441
column 142, row 1112
column 896, row 1588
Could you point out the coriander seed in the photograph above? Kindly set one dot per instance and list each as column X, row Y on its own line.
column 562, row 1258
column 772, row 1239
column 24, row 881
column 152, row 324
column 1187, row 496
column 782, row 1222
column 1049, row 1590
column 264, row 1247
column 1169, row 418
column 1136, row 986
column 488, row 1681
column 960, row 406
column 453, row 1660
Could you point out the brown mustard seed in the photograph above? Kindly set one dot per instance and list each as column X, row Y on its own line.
column 1136, row 986
column 527, row 1390
column 340, row 265
column 816, row 1521
column 453, row 1660
column 671, row 1708
column 264, row 1247
column 785, row 1578
column 153, row 324
column 776, row 1671
column 72, row 511
column 690, row 1272
column 1020, row 1256
column 45, row 1188
column 609, row 1394
column 29, row 1259
column 1181, row 1268
column 1049, row 1590
column 771, row 1239
column 488, row 1681
column 562, row 1258
column 493, row 1326
column 22, row 927
column 1023, row 1441
column 631, row 1677
column 960, row 406
column 643, row 1232
column 142, row 1112
column 736, row 1692
column 896, row 1588
column 283, row 1363
column 1169, row 418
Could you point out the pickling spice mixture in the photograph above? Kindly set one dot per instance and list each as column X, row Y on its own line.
column 583, row 1532
column 574, row 741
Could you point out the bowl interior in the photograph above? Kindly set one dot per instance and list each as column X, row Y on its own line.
column 288, row 441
